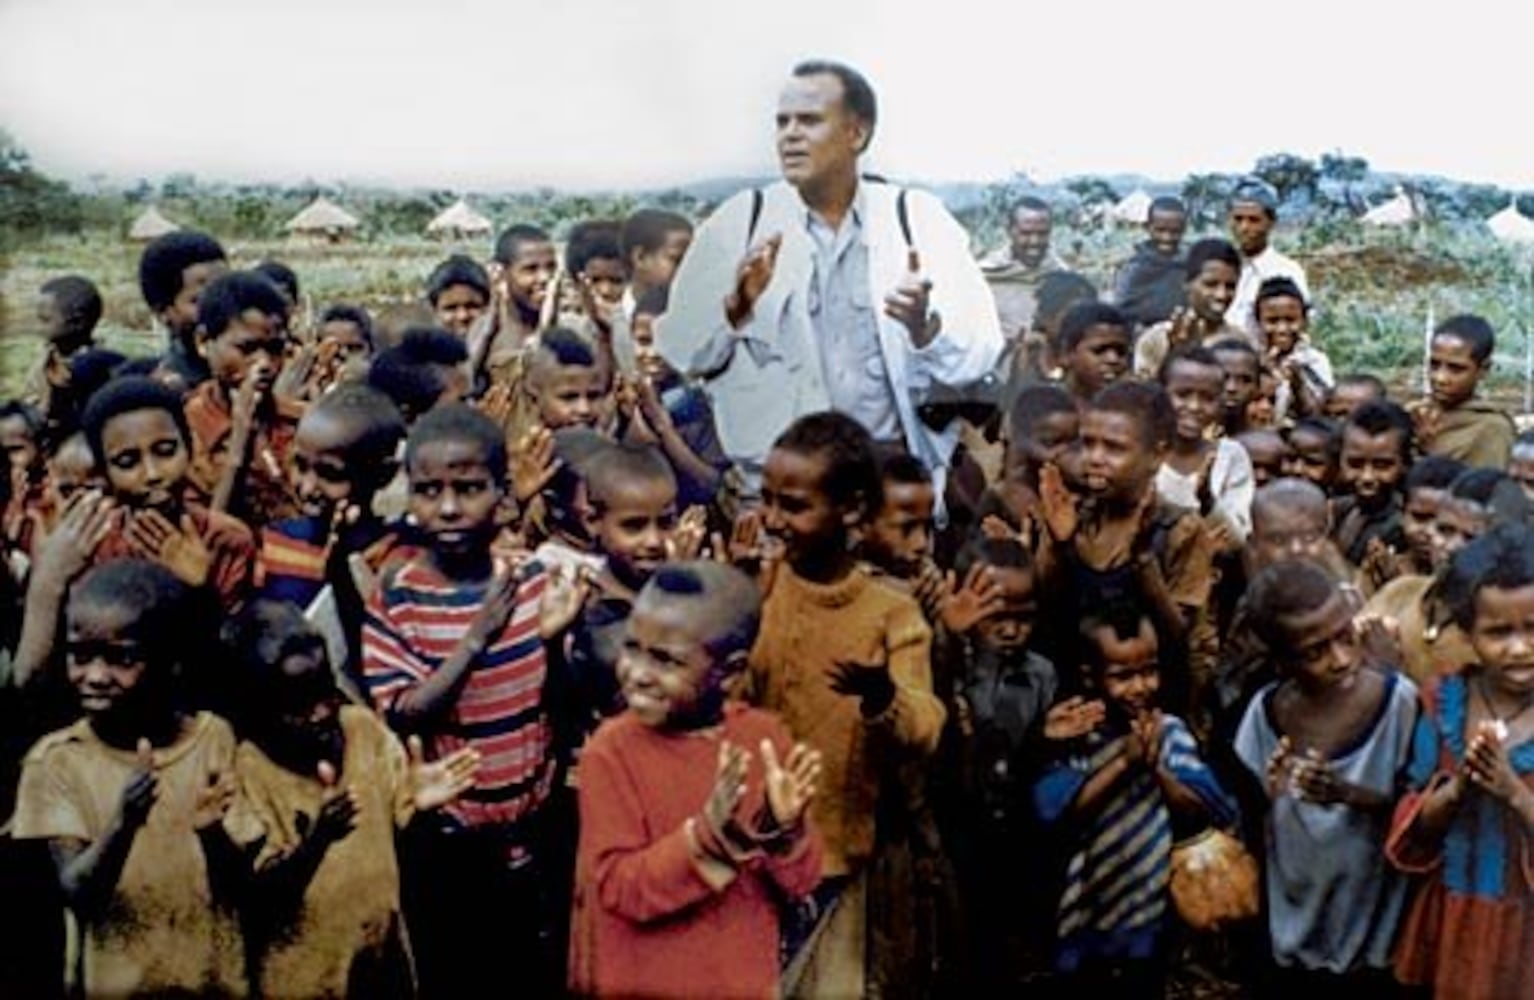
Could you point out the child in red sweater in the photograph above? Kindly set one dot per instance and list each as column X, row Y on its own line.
column 687, row 842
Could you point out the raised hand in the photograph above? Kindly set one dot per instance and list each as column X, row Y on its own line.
column 339, row 807
column 1279, row 771
column 496, row 403
column 180, row 550
column 495, row 612
column 433, row 784
column 978, row 599
column 751, row 279
column 1185, row 327
column 298, row 382
column 1427, row 419
column 729, row 786
column 1057, row 504
column 595, row 308
column 910, row 303
column 1144, row 741
column 1380, row 636
column 930, row 589
column 869, row 681
column 533, row 463
column 66, row 552
column 1073, row 718
column 1316, row 779
column 686, row 541
column 1487, row 764
column 562, row 600
column 791, row 785
column 213, row 800
column 142, row 790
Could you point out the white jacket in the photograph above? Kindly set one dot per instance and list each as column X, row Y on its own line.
column 767, row 374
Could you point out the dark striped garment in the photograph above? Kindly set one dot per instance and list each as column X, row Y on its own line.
column 415, row 619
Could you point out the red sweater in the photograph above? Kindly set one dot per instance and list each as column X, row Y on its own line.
column 646, row 923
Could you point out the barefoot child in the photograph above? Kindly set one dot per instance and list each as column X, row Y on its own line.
column 1465, row 833
column 324, row 785
column 693, row 808
column 132, row 797
column 1330, row 745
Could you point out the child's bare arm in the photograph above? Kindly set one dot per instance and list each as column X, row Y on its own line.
column 238, row 456
column 281, row 882
column 687, row 462
column 89, row 872
column 64, row 555
column 1096, row 789
column 427, row 699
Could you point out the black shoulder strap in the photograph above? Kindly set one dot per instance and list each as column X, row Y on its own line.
column 904, row 215
column 756, row 216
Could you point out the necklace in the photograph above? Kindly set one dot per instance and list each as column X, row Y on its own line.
column 1503, row 721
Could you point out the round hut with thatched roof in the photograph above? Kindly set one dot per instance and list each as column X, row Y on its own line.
column 323, row 220
column 150, row 225
column 458, row 221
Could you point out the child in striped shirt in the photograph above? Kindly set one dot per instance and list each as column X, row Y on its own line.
column 454, row 652
column 1119, row 796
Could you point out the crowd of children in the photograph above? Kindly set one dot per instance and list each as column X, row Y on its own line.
column 365, row 659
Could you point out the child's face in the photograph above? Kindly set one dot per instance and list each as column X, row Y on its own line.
column 71, row 471
column 181, row 315
column 1452, row 370
column 797, row 509
column 1347, row 397
column 105, row 661
column 900, row 536
column 1503, row 638
column 529, row 275
column 307, row 705
column 1310, row 457
column 668, row 674
column 573, row 396
column 1371, row 467
column 145, row 458
column 651, row 365
column 458, row 306
column 1046, row 441
column 1129, row 672
column 348, row 338
column 1289, row 532
column 322, row 477
column 1100, row 357
column 1283, row 320
column 1459, row 522
column 633, row 528
column 1325, row 648
column 18, row 444
column 254, row 344
column 1212, row 290
column 1521, row 468
column 606, row 279
column 51, row 318
column 1195, row 390
column 1010, row 627
column 1116, row 461
column 454, row 498
column 1262, row 411
column 1166, row 230
column 1267, row 452
column 1240, row 382
column 1418, row 521
column 655, row 268
column 1250, row 225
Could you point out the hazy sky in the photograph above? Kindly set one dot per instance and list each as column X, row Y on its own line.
column 583, row 93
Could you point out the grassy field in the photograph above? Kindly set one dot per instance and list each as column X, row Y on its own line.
column 1375, row 289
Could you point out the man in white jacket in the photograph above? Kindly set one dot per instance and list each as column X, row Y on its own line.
column 828, row 290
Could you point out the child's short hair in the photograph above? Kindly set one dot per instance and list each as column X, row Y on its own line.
column 1036, row 403
column 1433, row 472
column 165, row 259
column 647, row 230
column 77, row 300
column 1381, row 416
column 1124, row 617
column 230, row 295
column 163, row 610
column 30, row 416
column 905, row 468
column 564, row 348
column 1002, row 553
column 1478, row 485
column 1058, row 291
column 514, row 238
column 1284, row 591
column 1082, row 317
column 595, row 239
column 618, row 465
column 852, row 468
column 1166, row 203
column 1328, row 429
column 654, row 302
column 1474, row 331
column 1232, row 345
column 1286, row 495
column 1211, row 249
column 372, row 418
column 410, row 373
column 1374, row 382
column 457, row 270
column 359, row 317
column 1280, row 287
column 1191, row 353
column 723, row 591
column 1502, row 558
column 91, row 369
column 130, row 394
column 460, row 423
column 258, row 639
column 281, row 275
column 1146, row 404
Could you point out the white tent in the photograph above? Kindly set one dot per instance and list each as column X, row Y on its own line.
column 150, row 225
column 1511, row 225
column 459, row 220
column 1398, row 211
column 325, row 218
column 1131, row 210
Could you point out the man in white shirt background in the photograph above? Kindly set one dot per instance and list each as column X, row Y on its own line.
column 1253, row 213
